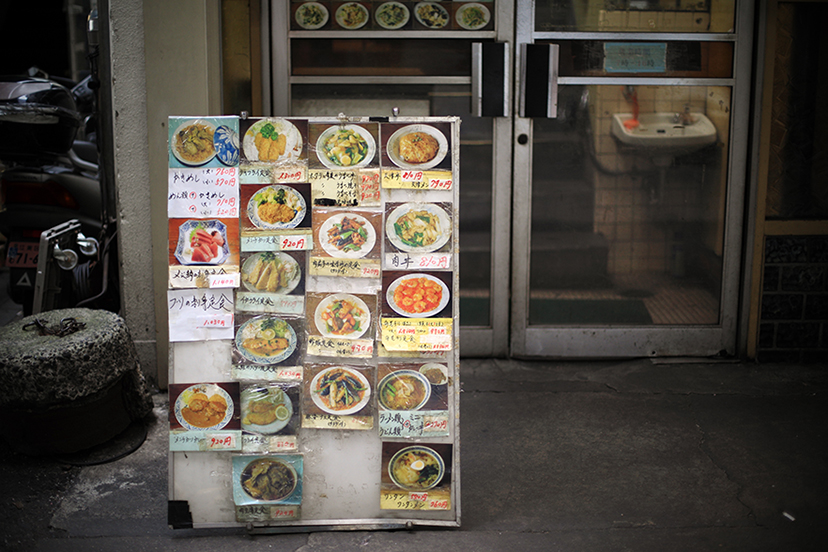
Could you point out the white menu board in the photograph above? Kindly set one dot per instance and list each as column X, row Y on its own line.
column 313, row 322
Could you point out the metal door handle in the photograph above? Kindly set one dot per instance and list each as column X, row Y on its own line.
column 539, row 80
column 490, row 79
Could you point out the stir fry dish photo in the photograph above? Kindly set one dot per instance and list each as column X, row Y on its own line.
column 346, row 146
column 352, row 15
column 391, row 15
column 340, row 390
column 342, row 315
column 346, row 235
column 311, row 15
column 418, row 227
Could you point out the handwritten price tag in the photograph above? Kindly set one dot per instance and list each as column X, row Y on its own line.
column 411, row 176
column 216, row 321
column 439, row 183
column 297, row 175
column 370, row 271
column 293, row 243
column 221, row 441
column 224, row 280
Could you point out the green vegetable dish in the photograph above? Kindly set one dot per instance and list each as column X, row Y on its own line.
column 345, row 147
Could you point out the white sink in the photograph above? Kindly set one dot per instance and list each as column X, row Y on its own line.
column 660, row 135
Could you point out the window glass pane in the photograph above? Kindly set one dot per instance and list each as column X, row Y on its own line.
column 597, row 58
column 628, row 217
column 671, row 16
column 364, row 57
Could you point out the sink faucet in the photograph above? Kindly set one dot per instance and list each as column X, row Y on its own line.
column 684, row 118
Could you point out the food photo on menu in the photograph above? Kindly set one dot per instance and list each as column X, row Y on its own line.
column 418, row 227
column 416, row 146
column 274, row 207
column 273, row 272
column 204, row 407
column 207, row 142
column 346, row 233
column 266, row 340
column 416, row 294
column 271, row 479
column 203, row 242
column 341, row 315
column 412, row 387
column 271, row 140
column 342, row 146
column 416, row 468
column 270, row 408
column 338, row 390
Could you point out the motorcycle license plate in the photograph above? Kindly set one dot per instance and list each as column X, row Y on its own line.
column 22, row 254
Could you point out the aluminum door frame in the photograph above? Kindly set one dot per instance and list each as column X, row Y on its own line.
column 631, row 341
column 482, row 341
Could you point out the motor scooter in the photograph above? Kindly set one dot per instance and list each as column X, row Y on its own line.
column 48, row 179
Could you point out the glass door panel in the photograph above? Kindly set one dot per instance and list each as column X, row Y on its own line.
column 627, row 213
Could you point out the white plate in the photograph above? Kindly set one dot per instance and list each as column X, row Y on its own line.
column 318, row 401
column 311, row 9
column 362, row 132
column 382, row 20
column 278, row 397
column 411, row 373
column 183, row 126
column 343, row 11
column 183, row 251
column 470, row 9
column 394, row 146
column 253, row 209
column 364, row 318
column 389, row 295
column 208, row 389
column 249, row 330
column 250, row 262
column 431, row 15
column 432, row 209
column 334, row 251
column 293, row 146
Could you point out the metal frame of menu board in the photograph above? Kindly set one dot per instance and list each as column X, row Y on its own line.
column 314, row 322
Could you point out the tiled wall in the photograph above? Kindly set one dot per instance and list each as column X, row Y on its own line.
column 644, row 222
column 794, row 316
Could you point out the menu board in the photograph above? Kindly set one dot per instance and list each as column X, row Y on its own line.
column 313, row 321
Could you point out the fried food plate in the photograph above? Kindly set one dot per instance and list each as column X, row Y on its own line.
column 394, row 147
column 209, row 389
column 273, row 395
column 295, row 197
column 251, row 329
column 293, row 140
column 282, row 260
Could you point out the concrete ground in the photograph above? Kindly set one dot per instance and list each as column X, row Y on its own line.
column 576, row 456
